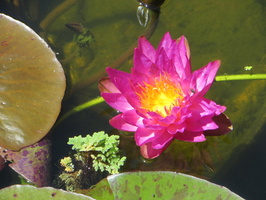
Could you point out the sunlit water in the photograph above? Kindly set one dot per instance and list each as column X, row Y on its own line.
column 232, row 31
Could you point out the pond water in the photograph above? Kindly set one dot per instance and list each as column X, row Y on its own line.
column 232, row 31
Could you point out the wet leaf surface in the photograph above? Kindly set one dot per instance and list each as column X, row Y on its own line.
column 158, row 185
column 32, row 85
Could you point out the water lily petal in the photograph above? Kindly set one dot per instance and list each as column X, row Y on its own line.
column 141, row 62
column 183, row 46
column 204, row 76
column 174, row 128
column 182, row 58
column 168, row 119
column 144, row 135
column 204, row 123
column 146, row 48
column 162, row 60
column 166, row 44
column 153, row 124
column 208, row 123
column 133, row 118
column 189, row 136
column 218, row 108
column 147, row 151
column 117, row 101
column 160, row 142
column 119, row 78
column 206, row 108
column 107, row 86
column 119, row 123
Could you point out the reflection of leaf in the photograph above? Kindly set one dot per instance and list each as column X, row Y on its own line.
column 31, row 162
column 22, row 192
column 158, row 185
column 32, row 85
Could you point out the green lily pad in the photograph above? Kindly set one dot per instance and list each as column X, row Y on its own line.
column 32, row 85
column 159, row 185
column 22, row 192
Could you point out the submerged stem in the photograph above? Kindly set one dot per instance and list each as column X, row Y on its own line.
column 238, row 77
column 51, row 17
column 80, row 108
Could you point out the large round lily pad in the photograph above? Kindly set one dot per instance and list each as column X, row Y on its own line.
column 159, row 185
column 32, row 85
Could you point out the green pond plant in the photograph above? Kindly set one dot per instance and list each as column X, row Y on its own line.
column 103, row 150
column 92, row 153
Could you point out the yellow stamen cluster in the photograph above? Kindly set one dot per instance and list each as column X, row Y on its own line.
column 160, row 96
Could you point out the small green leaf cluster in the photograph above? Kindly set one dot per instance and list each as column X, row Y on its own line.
column 85, row 38
column 103, row 150
column 67, row 163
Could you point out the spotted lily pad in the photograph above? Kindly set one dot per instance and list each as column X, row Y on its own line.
column 32, row 85
column 159, row 185
column 32, row 162
column 22, row 192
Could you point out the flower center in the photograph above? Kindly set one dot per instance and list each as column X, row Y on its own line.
column 160, row 96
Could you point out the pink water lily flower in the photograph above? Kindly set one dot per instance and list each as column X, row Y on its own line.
column 161, row 99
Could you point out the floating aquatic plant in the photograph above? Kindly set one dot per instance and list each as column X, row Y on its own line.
column 98, row 152
column 102, row 149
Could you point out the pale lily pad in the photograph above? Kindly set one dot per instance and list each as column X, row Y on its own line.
column 32, row 85
column 22, row 192
column 159, row 185
column 32, row 162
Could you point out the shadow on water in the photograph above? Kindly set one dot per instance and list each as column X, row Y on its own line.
column 245, row 172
